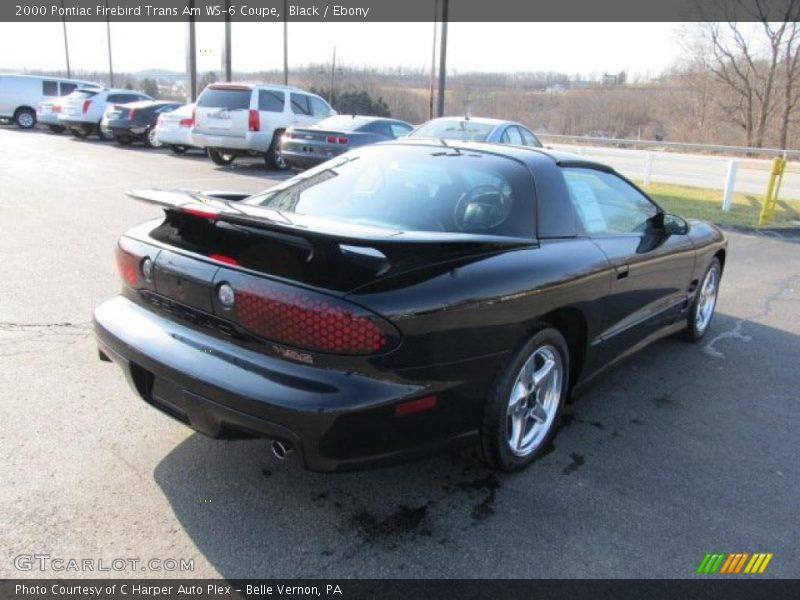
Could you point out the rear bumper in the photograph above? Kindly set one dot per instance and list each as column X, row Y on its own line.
column 126, row 130
column 335, row 420
column 250, row 142
column 303, row 160
column 73, row 123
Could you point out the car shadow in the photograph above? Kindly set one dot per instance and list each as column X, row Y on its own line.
column 251, row 515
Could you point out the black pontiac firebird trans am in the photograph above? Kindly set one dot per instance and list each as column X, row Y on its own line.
column 401, row 299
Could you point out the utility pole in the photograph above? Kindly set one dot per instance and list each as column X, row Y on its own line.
column 191, row 53
column 433, row 59
column 110, row 62
column 333, row 74
column 66, row 44
column 442, row 60
column 227, row 62
column 285, row 43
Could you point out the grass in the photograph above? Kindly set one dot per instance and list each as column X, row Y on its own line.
column 706, row 204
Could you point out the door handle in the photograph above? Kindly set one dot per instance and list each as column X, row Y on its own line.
column 622, row 271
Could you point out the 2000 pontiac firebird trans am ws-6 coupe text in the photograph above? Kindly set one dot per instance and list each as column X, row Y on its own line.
column 403, row 298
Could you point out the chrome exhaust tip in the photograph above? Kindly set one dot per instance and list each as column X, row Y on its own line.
column 281, row 450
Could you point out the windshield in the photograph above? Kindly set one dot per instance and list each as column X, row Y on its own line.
column 455, row 129
column 414, row 188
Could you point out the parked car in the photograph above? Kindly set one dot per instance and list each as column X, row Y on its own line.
column 477, row 129
column 47, row 113
column 21, row 94
column 402, row 298
column 174, row 129
column 235, row 119
column 82, row 111
column 136, row 121
column 304, row 147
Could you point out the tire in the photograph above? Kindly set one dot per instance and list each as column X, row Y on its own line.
column 150, row 138
column 101, row 134
column 221, row 158
column 79, row 133
column 123, row 140
column 516, row 404
column 57, row 128
column 704, row 303
column 178, row 149
column 272, row 157
column 25, row 118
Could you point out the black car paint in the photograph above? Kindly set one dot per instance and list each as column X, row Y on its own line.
column 461, row 319
column 145, row 116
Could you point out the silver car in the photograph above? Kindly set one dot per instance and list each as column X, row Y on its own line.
column 477, row 129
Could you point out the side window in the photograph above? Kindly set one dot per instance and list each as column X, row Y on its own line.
column 399, row 130
column 68, row 88
column 116, row 98
column 512, row 136
column 529, row 139
column 300, row 104
column 606, row 203
column 271, row 100
column 318, row 107
column 49, row 88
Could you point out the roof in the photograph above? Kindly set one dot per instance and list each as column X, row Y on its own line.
column 483, row 120
column 254, row 84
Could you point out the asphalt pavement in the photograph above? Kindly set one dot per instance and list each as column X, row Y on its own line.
column 683, row 450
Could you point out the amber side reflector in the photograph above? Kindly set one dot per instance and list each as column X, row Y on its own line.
column 415, row 406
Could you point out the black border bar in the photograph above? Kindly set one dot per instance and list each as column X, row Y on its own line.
column 751, row 588
column 393, row 10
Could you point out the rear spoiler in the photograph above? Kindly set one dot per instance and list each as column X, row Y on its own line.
column 322, row 236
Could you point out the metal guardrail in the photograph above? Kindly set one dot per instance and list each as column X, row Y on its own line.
column 738, row 150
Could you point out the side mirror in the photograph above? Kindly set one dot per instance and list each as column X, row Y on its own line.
column 675, row 225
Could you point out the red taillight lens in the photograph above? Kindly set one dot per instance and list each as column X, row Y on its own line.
column 57, row 108
column 342, row 140
column 336, row 139
column 253, row 120
column 128, row 267
column 132, row 113
column 331, row 139
column 86, row 105
column 307, row 320
column 188, row 122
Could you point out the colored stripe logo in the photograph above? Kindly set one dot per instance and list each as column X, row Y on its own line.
column 734, row 562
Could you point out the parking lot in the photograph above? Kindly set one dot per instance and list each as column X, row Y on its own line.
column 683, row 450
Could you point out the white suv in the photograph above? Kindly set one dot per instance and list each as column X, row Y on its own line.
column 233, row 119
column 82, row 111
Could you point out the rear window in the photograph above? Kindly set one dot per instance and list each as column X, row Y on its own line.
column 342, row 123
column 225, row 98
column 68, row 88
column 414, row 188
column 455, row 129
column 82, row 94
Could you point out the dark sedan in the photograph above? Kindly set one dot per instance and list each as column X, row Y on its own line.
column 477, row 129
column 304, row 147
column 136, row 121
column 401, row 299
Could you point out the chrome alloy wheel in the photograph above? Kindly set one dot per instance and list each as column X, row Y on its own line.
column 26, row 120
column 707, row 299
column 534, row 400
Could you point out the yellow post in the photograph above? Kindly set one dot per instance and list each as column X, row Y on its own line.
column 774, row 186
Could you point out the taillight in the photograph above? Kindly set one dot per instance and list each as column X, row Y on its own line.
column 253, row 120
column 188, row 122
column 307, row 320
column 57, row 108
column 131, row 113
column 337, row 139
column 135, row 263
column 129, row 267
column 86, row 105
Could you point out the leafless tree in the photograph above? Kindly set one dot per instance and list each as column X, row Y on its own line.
column 752, row 74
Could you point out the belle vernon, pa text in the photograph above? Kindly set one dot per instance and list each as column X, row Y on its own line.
column 242, row 10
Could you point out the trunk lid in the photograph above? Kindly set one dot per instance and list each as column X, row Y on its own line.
column 223, row 111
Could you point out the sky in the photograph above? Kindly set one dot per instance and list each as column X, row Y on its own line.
column 643, row 49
